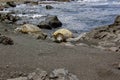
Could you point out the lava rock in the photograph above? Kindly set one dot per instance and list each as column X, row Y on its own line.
column 38, row 75
column 106, row 36
column 50, row 22
column 44, row 25
column 53, row 21
column 62, row 74
column 6, row 40
column 57, row 74
column 117, row 20
column 49, row 7
column 11, row 4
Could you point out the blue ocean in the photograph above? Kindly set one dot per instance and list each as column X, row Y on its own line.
column 78, row 16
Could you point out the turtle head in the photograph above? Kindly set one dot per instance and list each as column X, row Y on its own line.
column 18, row 29
column 59, row 38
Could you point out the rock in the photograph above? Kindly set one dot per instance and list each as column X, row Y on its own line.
column 6, row 40
column 31, row 2
column 119, row 66
column 117, row 20
column 11, row 4
column 1, row 8
column 26, row 2
column 82, row 44
column 106, row 43
column 20, row 78
column 32, row 30
column 61, row 35
column 62, row 74
column 49, row 7
column 57, row 74
column 44, row 25
column 114, row 49
column 68, row 44
column 38, row 75
column 50, row 22
column 53, row 21
column 7, row 17
column 106, row 36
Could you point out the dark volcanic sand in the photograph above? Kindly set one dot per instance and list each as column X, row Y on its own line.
column 27, row 54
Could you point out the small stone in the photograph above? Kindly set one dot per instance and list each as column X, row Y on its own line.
column 38, row 75
column 49, row 7
column 115, row 49
column 7, row 66
column 7, row 41
column 6, row 30
column 62, row 74
column 119, row 66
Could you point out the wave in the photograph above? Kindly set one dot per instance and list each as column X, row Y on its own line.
column 92, row 0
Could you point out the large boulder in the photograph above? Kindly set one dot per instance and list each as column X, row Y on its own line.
column 44, row 25
column 50, row 22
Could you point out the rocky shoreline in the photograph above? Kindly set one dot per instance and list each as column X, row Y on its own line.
column 106, row 37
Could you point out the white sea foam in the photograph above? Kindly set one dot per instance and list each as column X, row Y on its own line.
column 92, row 0
column 29, row 16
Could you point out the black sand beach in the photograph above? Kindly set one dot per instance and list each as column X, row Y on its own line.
column 27, row 54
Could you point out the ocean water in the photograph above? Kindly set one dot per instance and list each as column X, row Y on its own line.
column 77, row 16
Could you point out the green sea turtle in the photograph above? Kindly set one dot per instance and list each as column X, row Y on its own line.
column 32, row 30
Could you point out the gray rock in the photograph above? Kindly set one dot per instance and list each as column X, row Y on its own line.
column 106, row 36
column 62, row 74
column 38, row 75
column 57, row 74
column 6, row 40
column 115, row 49
column 106, row 43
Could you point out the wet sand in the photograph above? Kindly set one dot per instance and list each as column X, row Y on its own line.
column 27, row 54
